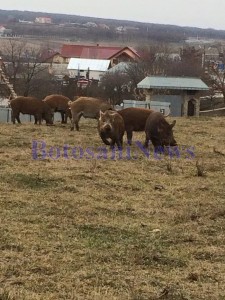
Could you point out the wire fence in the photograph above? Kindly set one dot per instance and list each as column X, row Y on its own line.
column 6, row 116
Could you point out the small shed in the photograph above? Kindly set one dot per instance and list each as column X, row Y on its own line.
column 183, row 93
column 88, row 68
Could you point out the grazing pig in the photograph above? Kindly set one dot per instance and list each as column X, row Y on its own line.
column 87, row 107
column 59, row 103
column 159, row 131
column 134, row 120
column 111, row 126
column 30, row 106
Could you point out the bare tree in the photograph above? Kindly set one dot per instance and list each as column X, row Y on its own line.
column 23, row 64
column 114, row 85
column 154, row 61
column 190, row 63
column 215, row 72
column 12, row 51
column 154, row 58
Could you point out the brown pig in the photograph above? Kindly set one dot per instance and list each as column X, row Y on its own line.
column 59, row 103
column 87, row 107
column 111, row 126
column 30, row 106
column 159, row 131
column 134, row 120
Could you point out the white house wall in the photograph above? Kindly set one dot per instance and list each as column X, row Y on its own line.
column 92, row 74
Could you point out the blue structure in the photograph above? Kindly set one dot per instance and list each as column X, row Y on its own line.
column 183, row 93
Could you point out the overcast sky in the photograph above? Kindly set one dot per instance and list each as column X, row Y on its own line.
column 197, row 13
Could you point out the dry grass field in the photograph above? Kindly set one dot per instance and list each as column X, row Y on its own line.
column 94, row 228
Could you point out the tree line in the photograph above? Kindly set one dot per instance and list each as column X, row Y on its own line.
column 147, row 31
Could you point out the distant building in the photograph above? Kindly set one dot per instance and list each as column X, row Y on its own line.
column 103, row 26
column 43, row 20
column 125, row 29
column 4, row 31
column 90, row 24
column 120, row 29
column 50, row 56
column 26, row 22
column 113, row 53
column 87, row 68
column 131, row 28
column 183, row 93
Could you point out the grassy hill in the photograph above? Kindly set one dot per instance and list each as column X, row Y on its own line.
column 74, row 27
column 91, row 228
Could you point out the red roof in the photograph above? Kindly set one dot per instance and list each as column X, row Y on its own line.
column 83, row 51
column 47, row 54
column 123, row 50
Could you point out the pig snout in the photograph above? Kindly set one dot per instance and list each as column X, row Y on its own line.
column 107, row 127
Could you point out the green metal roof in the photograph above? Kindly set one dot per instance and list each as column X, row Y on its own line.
column 173, row 83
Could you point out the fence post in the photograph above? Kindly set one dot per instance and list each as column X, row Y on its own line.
column 7, row 115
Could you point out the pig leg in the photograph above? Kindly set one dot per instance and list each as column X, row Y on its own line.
column 119, row 144
column 129, row 137
column 39, row 118
column 77, row 125
column 63, row 117
column 159, row 149
column 121, row 141
column 75, row 122
column 147, row 138
column 13, row 118
column 72, row 124
column 66, row 116
column 18, row 118
column 112, row 143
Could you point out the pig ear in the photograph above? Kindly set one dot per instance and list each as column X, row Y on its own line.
column 172, row 124
column 113, row 114
column 100, row 115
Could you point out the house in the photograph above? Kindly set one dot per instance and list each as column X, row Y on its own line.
column 91, row 69
column 103, row 26
column 131, row 28
column 120, row 29
column 91, row 24
column 113, row 53
column 126, row 54
column 4, row 31
column 25, row 22
column 183, row 93
column 43, row 20
column 50, row 56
